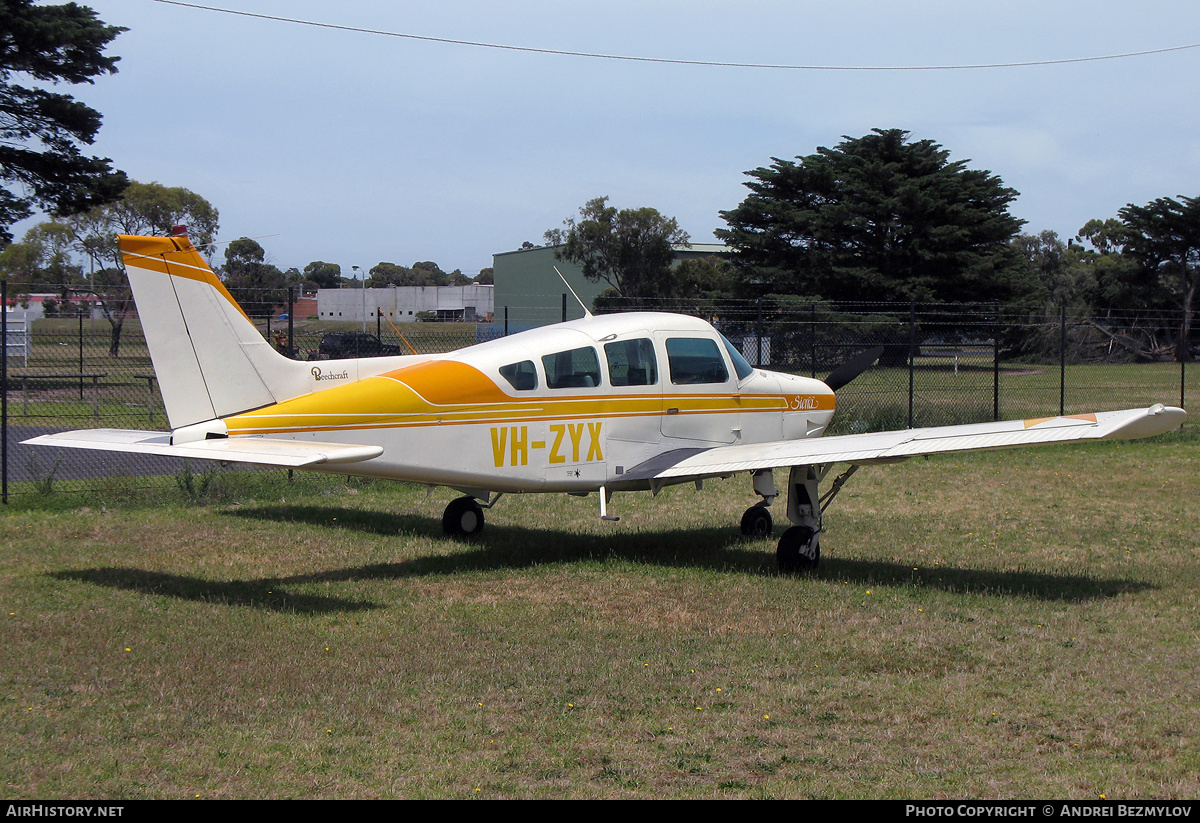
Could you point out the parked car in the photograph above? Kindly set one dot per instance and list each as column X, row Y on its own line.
column 343, row 344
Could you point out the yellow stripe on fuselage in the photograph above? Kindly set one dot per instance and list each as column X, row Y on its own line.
column 447, row 392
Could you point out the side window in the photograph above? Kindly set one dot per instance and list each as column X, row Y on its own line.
column 631, row 363
column 522, row 376
column 573, row 369
column 695, row 360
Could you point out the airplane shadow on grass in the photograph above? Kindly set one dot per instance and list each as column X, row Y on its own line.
column 258, row 594
column 518, row 547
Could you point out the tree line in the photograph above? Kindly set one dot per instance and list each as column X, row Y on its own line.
column 76, row 256
column 886, row 219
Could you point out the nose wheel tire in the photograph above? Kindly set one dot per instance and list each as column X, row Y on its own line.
column 463, row 518
column 799, row 550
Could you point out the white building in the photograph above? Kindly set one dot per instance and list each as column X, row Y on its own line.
column 407, row 304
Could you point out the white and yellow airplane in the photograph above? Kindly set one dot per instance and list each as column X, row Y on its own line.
column 618, row 402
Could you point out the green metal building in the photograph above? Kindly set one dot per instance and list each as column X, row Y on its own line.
column 530, row 293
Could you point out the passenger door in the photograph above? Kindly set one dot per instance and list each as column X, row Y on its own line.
column 699, row 390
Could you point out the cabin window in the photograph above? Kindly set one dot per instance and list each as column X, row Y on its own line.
column 573, row 369
column 521, row 376
column 695, row 360
column 631, row 363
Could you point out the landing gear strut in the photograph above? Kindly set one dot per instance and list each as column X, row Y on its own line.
column 800, row 547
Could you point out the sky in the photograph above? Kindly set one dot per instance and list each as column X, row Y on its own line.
column 356, row 148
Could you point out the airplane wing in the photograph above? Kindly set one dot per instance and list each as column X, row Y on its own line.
column 263, row 451
column 887, row 447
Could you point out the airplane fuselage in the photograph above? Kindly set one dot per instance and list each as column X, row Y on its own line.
column 571, row 408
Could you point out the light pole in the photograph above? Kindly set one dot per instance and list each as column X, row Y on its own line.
column 363, row 277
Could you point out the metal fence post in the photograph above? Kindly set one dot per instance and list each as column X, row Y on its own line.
column 912, row 356
column 812, row 338
column 291, row 323
column 1062, row 360
column 1182, row 380
column 996, row 367
column 759, row 332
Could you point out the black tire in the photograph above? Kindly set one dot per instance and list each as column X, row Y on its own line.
column 463, row 518
column 799, row 550
column 757, row 522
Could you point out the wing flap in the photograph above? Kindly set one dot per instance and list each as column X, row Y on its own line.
column 263, row 451
column 885, row 447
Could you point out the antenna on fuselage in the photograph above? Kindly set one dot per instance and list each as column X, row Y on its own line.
column 586, row 313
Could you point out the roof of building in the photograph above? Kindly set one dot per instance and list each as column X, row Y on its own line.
column 703, row 248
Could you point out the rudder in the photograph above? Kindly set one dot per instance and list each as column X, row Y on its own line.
column 196, row 331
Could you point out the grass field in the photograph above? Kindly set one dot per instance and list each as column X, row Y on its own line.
column 1018, row 624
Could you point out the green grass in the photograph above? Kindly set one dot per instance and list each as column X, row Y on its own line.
column 878, row 399
column 1011, row 624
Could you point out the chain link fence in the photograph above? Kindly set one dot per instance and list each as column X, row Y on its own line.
column 938, row 365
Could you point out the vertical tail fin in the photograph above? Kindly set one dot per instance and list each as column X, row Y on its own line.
column 210, row 359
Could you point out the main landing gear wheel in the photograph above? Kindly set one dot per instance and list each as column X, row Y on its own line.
column 463, row 518
column 757, row 522
column 799, row 550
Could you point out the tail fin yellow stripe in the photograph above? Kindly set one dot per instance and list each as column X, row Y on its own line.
column 175, row 256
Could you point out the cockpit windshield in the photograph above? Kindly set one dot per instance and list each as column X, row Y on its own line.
column 740, row 364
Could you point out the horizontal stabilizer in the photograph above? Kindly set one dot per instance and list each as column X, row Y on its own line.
column 884, row 447
column 263, row 451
